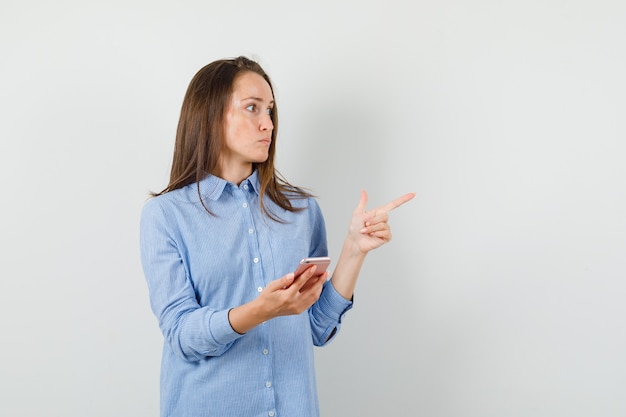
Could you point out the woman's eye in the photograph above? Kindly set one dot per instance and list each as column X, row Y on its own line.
column 251, row 107
column 269, row 111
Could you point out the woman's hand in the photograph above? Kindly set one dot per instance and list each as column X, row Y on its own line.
column 369, row 228
column 293, row 295
column 282, row 297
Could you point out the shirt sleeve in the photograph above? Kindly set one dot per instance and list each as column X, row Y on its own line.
column 326, row 314
column 192, row 332
column 318, row 245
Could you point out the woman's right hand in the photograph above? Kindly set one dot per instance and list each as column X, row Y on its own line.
column 293, row 295
column 285, row 296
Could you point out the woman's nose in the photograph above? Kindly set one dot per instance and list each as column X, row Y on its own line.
column 266, row 122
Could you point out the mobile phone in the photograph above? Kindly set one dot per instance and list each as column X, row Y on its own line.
column 322, row 263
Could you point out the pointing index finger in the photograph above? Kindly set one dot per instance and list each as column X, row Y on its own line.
column 397, row 202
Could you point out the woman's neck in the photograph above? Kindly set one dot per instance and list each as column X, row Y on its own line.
column 234, row 173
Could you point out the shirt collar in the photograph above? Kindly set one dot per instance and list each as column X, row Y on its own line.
column 212, row 187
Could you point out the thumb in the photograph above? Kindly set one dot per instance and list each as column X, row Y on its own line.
column 362, row 201
column 283, row 282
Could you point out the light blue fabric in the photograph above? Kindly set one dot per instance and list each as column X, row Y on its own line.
column 199, row 266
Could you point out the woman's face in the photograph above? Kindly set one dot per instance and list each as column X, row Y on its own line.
column 247, row 126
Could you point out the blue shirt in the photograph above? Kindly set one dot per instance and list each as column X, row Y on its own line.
column 199, row 266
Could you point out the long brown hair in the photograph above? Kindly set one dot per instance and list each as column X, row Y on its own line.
column 200, row 138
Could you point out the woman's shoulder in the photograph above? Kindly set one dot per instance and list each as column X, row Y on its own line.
column 169, row 200
column 299, row 197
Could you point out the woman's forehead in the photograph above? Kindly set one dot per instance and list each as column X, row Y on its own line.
column 251, row 85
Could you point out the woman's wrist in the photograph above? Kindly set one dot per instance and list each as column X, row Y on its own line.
column 246, row 317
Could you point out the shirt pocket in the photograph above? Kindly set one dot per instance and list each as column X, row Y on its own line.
column 287, row 253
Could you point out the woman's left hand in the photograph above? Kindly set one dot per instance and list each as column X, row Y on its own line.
column 369, row 228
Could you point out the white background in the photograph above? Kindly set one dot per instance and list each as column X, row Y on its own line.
column 502, row 293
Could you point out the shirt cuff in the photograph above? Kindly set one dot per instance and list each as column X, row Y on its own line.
column 332, row 304
column 220, row 329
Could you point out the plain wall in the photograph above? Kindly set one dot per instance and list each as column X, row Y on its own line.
column 502, row 291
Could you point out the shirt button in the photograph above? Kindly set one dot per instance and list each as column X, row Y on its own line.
column 268, row 384
column 265, row 351
column 271, row 414
column 244, row 205
column 250, row 231
column 259, row 289
column 245, row 186
column 255, row 260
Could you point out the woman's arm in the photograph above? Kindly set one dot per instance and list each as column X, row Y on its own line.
column 368, row 230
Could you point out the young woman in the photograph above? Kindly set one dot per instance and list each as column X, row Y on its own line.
column 219, row 246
